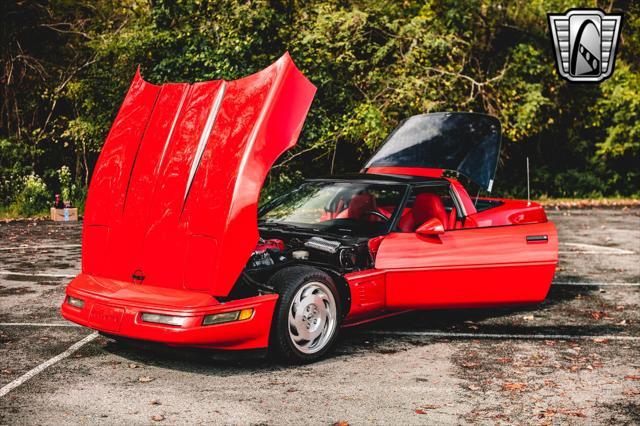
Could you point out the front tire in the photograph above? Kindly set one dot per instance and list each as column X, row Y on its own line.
column 308, row 314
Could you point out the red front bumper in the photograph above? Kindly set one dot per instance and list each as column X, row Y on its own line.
column 116, row 307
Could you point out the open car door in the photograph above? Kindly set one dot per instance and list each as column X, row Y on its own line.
column 472, row 267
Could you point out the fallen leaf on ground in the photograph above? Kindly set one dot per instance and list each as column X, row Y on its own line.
column 132, row 365
column 597, row 315
column 549, row 412
column 601, row 340
column 573, row 413
column 430, row 407
column 341, row 423
column 513, row 386
column 157, row 418
column 145, row 379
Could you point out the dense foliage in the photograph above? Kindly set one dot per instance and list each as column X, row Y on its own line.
column 66, row 65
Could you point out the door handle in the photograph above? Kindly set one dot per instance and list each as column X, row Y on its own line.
column 537, row 239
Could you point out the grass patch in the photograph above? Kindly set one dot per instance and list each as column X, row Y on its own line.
column 587, row 203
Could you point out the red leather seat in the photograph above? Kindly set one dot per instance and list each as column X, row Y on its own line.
column 359, row 205
column 453, row 219
column 425, row 206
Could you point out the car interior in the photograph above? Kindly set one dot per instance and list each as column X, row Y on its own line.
column 429, row 203
column 423, row 204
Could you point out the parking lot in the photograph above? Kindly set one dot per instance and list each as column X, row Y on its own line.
column 573, row 359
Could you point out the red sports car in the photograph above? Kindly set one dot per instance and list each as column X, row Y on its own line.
column 176, row 251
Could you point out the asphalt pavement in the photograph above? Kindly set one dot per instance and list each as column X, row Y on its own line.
column 574, row 359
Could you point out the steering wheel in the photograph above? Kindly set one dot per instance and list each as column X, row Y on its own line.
column 378, row 214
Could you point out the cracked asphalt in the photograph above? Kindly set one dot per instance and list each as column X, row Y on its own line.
column 574, row 359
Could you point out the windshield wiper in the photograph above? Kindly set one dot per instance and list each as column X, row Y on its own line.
column 287, row 227
column 280, row 225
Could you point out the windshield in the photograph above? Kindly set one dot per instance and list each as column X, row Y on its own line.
column 466, row 142
column 351, row 208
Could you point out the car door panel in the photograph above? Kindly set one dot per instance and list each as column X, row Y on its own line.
column 469, row 267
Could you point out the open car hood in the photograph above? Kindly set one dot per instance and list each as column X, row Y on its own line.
column 465, row 142
column 173, row 197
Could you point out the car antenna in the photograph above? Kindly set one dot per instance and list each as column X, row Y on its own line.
column 528, row 185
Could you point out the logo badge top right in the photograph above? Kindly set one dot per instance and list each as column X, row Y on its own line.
column 585, row 42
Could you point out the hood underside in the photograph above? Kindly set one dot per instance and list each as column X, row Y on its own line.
column 173, row 197
column 468, row 143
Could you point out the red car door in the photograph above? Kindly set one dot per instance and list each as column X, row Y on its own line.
column 469, row 267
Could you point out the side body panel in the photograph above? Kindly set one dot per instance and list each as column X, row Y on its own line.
column 367, row 292
column 510, row 212
column 469, row 267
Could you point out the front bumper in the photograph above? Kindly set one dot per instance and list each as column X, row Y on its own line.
column 115, row 307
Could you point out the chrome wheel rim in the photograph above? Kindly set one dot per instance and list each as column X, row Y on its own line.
column 312, row 317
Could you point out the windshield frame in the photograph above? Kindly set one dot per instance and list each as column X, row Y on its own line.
column 405, row 187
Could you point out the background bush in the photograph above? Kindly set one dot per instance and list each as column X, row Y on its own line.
column 66, row 65
column 33, row 199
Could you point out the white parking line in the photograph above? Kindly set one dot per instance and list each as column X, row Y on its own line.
column 39, row 247
column 40, row 368
column 597, row 284
column 37, row 324
column 497, row 336
column 593, row 249
column 22, row 274
column 592, row 252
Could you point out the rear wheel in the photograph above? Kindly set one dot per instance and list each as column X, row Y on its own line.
column 307, row 317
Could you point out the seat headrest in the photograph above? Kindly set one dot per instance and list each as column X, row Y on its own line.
column 426, row 206
column 360, row 203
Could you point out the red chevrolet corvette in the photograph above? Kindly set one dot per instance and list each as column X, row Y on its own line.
column 175, row 249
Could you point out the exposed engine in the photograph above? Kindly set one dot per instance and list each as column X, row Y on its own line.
column 344, row 255
column 282, row 248
column 267, row 253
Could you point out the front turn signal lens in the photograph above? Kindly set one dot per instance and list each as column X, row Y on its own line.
column 224, row 317
column 245, row 314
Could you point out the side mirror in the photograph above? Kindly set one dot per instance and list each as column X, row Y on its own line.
column 431, row 227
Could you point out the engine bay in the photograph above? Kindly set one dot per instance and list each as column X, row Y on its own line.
column 342, row 254
column 280, row 248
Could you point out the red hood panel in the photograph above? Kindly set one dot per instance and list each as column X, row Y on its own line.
column 174, row 194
